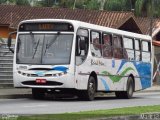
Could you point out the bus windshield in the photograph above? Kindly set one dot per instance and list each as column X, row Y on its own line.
column 44, row 48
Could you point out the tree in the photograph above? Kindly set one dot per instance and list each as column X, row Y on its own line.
column 66, row 3
column 156, row 8
column 147, row 8
column 15, row 2
column 102, row 2
column 2, row 1
column 142, row 7
column 11, row 1
column 117, row 5
column 45, row 3
column 22, row 2
column 7, row 1
column 80, row 4
column 92, row 4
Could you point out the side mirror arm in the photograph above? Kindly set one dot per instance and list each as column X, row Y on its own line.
column 10, row 41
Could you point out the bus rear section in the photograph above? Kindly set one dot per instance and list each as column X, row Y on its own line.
column 114, row 61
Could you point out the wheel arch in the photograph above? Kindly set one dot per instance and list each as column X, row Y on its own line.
column 132, row 76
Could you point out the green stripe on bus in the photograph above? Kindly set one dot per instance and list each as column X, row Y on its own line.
column 117, row 78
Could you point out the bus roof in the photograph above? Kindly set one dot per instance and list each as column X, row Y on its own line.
column 93, row 27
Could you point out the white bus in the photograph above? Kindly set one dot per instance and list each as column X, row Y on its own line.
column 58, row 55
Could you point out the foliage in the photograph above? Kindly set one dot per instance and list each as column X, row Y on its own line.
column 142, row 7
column 11, row 1
column 2, row 1
column 156, row 9
column 92, row 4
column 117, row 5
column 44, row 3
column 66, row 3
column 16, row 2
column 80, row 4
column 22, row 2
column 147, row 8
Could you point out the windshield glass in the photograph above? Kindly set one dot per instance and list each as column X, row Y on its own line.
column 44, row 48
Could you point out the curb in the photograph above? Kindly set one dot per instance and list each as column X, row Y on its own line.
column 15, row 96
column 143, row 91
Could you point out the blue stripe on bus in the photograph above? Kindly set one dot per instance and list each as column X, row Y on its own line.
column 144, row 71
column 105, row 84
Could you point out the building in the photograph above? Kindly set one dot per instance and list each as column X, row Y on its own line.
column 11, row 15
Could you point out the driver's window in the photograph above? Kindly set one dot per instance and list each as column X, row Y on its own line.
column 82, row 43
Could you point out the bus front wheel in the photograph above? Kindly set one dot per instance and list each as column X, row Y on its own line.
column 38, row 93
column 89, row 94
column 129, row 90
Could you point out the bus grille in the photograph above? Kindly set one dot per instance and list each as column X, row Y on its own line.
column 49, row 83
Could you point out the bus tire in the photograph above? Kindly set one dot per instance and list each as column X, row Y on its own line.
column 129, row 91
column 90, row 92
column 38, row 93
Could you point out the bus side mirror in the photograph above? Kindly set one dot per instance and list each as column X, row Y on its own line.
column 9, row 43
column 82, row 44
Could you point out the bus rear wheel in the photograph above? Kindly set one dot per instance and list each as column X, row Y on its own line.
column 38, row 93
column 129, row 92
column 89, row 94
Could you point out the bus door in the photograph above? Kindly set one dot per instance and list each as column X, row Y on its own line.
column 82, row 45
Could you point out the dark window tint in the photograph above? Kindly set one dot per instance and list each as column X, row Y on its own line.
column 107, row 45
column 117, row 47
column 95, row 44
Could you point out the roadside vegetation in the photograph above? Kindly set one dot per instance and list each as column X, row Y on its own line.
column 95, row 114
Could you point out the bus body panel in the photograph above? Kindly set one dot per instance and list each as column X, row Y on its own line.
column 113, row 74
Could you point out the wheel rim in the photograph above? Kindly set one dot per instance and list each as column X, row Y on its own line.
column 91, row 89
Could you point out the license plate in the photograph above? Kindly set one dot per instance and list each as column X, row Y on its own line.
column 41, row 81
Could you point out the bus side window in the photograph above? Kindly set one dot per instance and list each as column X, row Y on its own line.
column 107, row 45
column 137, row 50
column 95, row 44
column 146, row 51
column 128, row 48
column 82, row 45
column 117, row 47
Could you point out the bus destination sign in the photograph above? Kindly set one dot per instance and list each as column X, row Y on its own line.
column 46, row 27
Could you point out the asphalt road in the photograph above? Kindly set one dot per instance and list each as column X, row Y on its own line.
column 49, row 105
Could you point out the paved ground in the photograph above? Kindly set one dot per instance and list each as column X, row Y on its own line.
column 14, row 93
column 50, row 105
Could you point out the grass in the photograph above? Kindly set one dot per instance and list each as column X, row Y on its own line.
column 95, row 114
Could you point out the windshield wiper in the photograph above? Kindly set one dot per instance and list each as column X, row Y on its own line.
column 35, row 49
column 52, row 41
column 32, row 37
